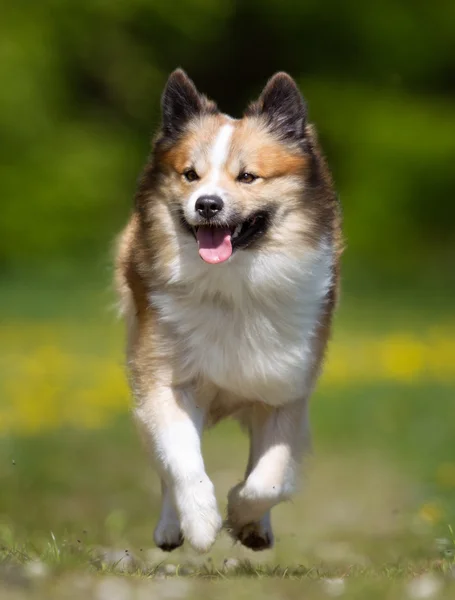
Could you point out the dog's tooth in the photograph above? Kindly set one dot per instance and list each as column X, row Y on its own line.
column 236, row 231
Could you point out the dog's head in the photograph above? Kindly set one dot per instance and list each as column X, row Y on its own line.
column 239, row 185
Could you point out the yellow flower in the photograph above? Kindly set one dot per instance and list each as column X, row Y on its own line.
column 61, row 373
column 431, row 513
column 402, row 357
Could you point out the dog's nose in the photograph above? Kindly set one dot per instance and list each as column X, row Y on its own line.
column 209, row 206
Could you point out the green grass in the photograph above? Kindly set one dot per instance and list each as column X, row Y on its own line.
column 78, row 506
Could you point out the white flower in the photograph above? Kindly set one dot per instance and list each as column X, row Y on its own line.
column 334, row 587
column 424, row 586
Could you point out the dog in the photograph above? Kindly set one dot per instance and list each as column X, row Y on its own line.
column 228, row 277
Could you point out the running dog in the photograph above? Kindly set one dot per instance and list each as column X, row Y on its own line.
column 228, row 274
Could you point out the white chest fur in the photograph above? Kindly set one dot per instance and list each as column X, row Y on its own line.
column 248, row 325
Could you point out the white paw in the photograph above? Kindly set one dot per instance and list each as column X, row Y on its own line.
column 199, row 516
column 248, row 519
column 201, row 530
column 168, row 534
column 249, row 501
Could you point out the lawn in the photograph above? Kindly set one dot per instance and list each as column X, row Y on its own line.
column 78, row 500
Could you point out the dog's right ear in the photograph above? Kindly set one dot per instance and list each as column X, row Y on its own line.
column 180, row 102
column 283, row 108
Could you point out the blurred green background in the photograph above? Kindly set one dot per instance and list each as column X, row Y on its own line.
column 81, row 83
column 80, row 95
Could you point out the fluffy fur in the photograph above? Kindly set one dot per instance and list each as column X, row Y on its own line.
column 244, row 337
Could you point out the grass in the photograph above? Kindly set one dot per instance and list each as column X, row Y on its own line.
column 78, row 500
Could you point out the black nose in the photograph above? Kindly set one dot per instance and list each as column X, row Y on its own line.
column 209, row 206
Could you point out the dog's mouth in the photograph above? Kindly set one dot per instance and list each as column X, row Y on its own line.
column 218, row 241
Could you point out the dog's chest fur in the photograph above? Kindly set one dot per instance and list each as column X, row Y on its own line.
column 248, row 326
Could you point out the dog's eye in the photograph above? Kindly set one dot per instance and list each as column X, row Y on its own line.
column 246, row 177
column 191, row 175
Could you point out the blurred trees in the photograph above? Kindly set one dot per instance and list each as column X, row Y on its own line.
column 81, row 83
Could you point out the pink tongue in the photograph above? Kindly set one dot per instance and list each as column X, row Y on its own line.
column 214, row 244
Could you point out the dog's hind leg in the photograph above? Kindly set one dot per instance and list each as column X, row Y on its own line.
column 277, row 438
column 168, row 534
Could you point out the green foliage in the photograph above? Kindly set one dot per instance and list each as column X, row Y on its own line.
column 80, row 96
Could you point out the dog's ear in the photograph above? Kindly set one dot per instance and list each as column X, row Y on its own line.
column 179, row 103
column 283, row 107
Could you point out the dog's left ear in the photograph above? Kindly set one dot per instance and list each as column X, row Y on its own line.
column 180, row 102
column 283, row 107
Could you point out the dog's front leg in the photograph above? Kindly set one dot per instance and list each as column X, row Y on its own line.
column 277, row 437
column 173, row 424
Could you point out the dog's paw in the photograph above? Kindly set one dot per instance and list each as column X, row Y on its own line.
column 199, row 516
column 168, row 535
column 201, row 531
column 256, row 536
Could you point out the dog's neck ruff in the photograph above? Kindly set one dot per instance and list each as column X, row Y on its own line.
column 248, row 325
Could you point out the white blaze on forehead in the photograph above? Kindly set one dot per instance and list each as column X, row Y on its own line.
column 217, row 157
column 220, row 149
